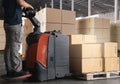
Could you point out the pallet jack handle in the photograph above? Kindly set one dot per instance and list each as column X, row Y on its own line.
column 30, row 14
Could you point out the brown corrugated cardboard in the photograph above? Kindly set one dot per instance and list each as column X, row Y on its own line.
column 24, row 47
column 27, row 25
column 1, row 23
column 2, row 32
column 93, row 23
column 85, row 31
column 86, row 50
column 111, row 64
column 96, row 23
column 50, row 27
column 68, row 26
column 102, row 34
column 82, row 23
column 80, row 39
column 86, row 65
column 115, row 32
column 76, row 39
column 69, row 32
column 106, row 23
column 110, row 49
column 90, row 38
column 68, row 16
column 3, row 39
column 2, row 45
column 68, row 29
column 49, row 15
column 102, row 40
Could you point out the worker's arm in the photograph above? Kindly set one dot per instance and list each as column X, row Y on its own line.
column 24, row 4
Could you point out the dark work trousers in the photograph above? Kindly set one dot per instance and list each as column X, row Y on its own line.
column 12, row 59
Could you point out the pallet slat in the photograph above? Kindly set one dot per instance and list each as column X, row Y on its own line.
column 96, row 76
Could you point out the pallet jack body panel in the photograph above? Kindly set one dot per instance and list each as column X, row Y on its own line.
column 51, row 59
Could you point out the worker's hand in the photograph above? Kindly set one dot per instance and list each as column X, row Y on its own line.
column 24, row 4
column 27, row 6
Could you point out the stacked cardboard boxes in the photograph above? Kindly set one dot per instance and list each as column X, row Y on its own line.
column 89, row 57
column 55, row 19
column 85, row 54
column 95, row 26
column 50, row 19
column 2, row 36
column 68, row 22
column 110, row 58
column 115, row 32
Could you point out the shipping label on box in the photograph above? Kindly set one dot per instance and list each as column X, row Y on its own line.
column 86, row 65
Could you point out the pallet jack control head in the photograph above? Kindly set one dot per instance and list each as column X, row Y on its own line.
column 29, row 13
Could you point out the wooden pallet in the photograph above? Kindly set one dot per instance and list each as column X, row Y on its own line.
column 99, row 75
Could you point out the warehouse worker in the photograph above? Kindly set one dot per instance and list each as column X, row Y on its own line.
column 14, row 33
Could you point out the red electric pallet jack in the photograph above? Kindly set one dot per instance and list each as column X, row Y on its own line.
column 47, row 55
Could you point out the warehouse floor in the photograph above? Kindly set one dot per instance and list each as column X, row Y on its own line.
column 58, row 81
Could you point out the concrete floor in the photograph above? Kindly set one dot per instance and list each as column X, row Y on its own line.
column 57, row 81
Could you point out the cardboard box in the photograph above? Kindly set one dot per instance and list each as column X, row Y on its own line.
column 76, row 39
column 49, row 15
column 28, row 26
column 90, row 38
column 106, row 23
column 103, row 40
column 93, row 23
column 86, row 65
column 2, row 45
column 24, row 48
column 115, row 33
column 68, row 29
column 96, row 23
column 81, row 39
column 1, row 23
column 3, row 38
column 69, row 32
column 82, row 23
column 50, row 27
column 68, row 16
column 2, row 31
column 111, row 64
column 99, row 32
column 110, row 49
column 86, row 51
column 85, row 31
